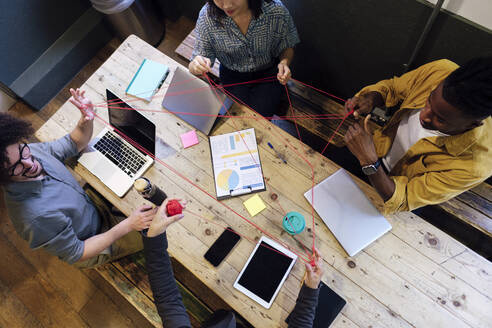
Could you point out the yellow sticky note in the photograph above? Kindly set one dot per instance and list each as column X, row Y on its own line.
column 254, row 205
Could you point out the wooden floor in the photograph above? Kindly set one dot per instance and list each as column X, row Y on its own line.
column 38, row 290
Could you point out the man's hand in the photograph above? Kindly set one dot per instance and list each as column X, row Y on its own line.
column 364, row 104
column 199, row 65
column 142, row 217
column 83, row 104
column 161, row 221
column 284, row 73
column 314, row 273
column 82, row 133
column 359, row 142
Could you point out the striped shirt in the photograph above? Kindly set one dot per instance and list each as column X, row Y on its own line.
column 267, row 36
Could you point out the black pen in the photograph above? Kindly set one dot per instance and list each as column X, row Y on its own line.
column 277, row 153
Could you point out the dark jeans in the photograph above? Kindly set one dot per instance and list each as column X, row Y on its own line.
column 263, row 97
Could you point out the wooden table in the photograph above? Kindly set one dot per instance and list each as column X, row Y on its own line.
column 415, row 275
column 473, row 207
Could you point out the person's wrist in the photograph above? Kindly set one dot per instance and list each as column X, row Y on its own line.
column 368, row 160
column 127, row 225
column 312, row 285
column 82, row 121
column 153, row 231
column 284, row 61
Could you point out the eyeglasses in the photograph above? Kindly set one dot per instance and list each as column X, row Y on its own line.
column 18, row 167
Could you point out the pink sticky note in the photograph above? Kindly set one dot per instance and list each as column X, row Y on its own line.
column 189, row 139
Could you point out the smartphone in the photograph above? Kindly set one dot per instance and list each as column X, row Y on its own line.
column 380, row 116
column 222, row 246
column 330, row 304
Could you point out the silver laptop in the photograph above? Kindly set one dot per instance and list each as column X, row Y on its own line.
column 113, row 159
column 194, row 101
column 347, row 212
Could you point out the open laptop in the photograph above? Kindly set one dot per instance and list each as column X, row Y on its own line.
column 192, row 99
column 112, row 159
column 347, row 212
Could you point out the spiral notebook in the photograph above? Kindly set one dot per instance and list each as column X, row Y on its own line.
column 147, row 80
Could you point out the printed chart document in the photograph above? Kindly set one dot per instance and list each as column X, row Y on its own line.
column 236, row 164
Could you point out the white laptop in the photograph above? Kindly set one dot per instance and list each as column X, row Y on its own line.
column 114, row 160
column 347, row 212
column 194, row 101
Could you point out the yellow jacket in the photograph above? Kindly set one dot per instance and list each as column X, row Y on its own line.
column 434, row 169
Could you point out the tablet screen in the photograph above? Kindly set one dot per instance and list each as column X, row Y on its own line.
column 265, row 271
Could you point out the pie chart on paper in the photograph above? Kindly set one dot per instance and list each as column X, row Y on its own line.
column 228, row 179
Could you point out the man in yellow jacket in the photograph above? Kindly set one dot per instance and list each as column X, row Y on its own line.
column 438, row 144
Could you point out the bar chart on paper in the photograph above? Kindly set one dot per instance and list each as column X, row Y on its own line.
column 237, row 167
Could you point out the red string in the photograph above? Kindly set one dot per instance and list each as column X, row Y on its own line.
column 132, row 99
column 212, row 85
column 293, row 114
column 301, row 117
column 293, row 149
column 169, row 94
column 135, row 144
column 326, row 93
column 244, row 141
column 336, row 130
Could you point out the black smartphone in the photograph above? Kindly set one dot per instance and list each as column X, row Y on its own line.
column 380, row 116
column 329, row 306
column 222, row 246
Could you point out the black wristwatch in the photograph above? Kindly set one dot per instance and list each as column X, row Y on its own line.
column 371, row 168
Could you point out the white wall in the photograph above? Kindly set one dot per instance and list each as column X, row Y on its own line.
column 477, row 11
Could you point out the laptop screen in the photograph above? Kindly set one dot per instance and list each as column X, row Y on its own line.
column 131, row 123
column 188, row 95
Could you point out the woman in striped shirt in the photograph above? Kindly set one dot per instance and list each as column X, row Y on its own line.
column 252, row 39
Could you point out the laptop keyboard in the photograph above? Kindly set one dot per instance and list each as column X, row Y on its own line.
column 123, row 156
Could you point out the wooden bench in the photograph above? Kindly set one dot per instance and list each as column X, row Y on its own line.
column 468, row 217
column 128, row 277
column 472, row 208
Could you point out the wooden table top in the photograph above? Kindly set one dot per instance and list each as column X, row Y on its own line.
column 415, row 275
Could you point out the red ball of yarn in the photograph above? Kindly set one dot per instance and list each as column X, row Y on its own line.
column 173, row 207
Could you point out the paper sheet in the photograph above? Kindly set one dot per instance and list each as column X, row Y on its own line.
column 236, row 163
